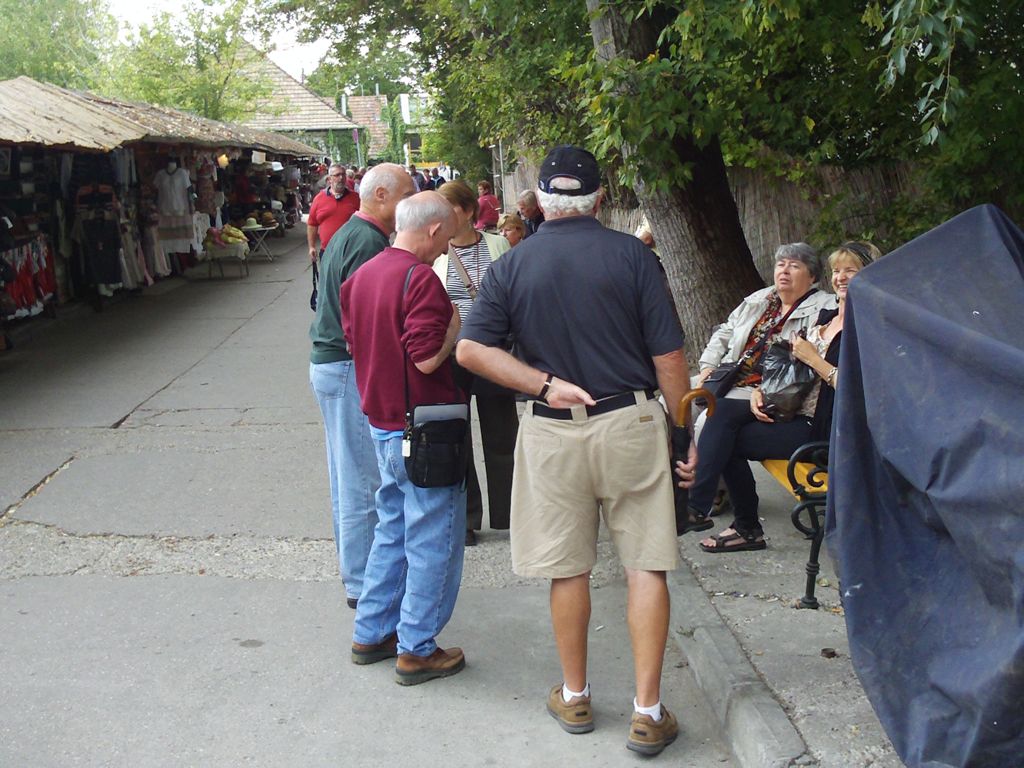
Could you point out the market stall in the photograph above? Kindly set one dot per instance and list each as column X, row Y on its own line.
column 99, row 195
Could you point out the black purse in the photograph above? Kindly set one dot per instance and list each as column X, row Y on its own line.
column 723, row 378
column 435, row 444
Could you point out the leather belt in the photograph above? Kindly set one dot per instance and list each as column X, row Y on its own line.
column 607, row 405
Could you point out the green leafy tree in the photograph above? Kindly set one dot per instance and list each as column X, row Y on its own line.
column 669, row 94
column 965, row 58
column 386, row 66
column 63, row 42
column 197, row 61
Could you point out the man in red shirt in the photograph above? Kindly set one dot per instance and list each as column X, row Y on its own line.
column 330, row 210
column 400, row 326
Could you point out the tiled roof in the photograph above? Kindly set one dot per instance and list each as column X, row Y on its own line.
column 367, row 111
column 291, row 106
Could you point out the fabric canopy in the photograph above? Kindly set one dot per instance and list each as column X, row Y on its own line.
column 926, row 491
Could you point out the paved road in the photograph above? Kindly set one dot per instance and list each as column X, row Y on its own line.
column 169, row 589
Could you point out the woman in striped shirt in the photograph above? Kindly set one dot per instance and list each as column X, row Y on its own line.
column 462, row 269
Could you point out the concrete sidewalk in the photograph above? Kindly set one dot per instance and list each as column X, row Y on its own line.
column 170, row 589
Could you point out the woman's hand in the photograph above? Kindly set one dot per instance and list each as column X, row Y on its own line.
column 756, row 404
column 704, row 375
column 803, row 350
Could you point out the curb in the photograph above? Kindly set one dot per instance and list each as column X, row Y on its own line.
column 754, row 725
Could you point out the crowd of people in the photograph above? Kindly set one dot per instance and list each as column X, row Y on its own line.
column 548, row 306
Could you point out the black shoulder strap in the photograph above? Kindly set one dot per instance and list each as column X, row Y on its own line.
column 405, row 366
column 778, row 326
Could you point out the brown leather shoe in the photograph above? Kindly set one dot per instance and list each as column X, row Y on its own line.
column 649, row 737
column 575, row 715
column 371, row 654
column 413, row 670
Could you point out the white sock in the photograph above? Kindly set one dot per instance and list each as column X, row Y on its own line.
column 653, row 712
column 568, row 695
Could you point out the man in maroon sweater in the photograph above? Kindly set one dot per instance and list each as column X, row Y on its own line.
column 393, row 329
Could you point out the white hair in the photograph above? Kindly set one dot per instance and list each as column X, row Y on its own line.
column 379, row 176
column 567, row 205
column 420, row 211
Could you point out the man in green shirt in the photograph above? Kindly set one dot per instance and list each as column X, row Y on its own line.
column 351, row 460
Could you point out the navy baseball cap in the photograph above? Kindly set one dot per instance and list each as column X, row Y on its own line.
column 569, row 162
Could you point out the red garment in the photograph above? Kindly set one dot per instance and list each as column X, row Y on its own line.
column 488, row 215
column 381, row 324
column 329, row 213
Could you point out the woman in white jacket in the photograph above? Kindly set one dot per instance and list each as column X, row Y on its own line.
column 790, row 306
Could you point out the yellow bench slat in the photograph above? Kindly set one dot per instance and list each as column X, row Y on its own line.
column 777, row 469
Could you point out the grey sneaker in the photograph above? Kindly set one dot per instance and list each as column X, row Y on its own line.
column 649, row 737
column 574, row 716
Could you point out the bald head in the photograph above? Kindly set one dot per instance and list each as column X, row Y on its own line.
column 383, row 187
column 424, row 223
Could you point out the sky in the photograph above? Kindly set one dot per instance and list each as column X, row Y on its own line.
column 293, row 57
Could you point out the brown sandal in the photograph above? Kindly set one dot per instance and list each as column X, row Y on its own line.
column 749, row 543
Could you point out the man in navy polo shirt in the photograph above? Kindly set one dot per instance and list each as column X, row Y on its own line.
column 597, row 334
column 329, row 211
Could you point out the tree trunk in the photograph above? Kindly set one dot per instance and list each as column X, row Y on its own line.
column 696, row 226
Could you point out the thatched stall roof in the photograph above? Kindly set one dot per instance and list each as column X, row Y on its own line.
column 39, row 113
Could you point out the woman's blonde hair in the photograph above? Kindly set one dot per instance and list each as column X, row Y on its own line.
column 459, row 194
column 511, row 220
column 858, row 251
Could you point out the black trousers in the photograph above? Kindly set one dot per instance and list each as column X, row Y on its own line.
column 499, row 425
column 732, row 438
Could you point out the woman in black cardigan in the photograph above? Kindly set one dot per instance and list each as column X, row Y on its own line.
column 740, row 433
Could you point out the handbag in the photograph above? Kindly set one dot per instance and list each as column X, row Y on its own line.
column 435, row 443
column 723, row 378
column 312, row 296
column 785, row 382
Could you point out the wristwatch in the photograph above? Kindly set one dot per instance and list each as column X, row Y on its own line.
column 543, row 394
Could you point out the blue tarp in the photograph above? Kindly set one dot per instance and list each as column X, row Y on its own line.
column 926, row 491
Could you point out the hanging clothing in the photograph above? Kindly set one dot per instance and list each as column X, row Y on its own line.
column 173, row 205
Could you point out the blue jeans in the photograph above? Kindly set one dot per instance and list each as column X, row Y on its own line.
column 415, row 567
column 351, row 467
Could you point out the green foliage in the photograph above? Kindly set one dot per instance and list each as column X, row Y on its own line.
column 965, row 59
column 493, row 69
column 197, row 61
column 394, row 152
column 62, row 42
column 775, row 79
column 781, row 85
column 457, row 145
column 384, row 64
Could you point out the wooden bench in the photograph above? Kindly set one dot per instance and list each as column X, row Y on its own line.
column 805, row 476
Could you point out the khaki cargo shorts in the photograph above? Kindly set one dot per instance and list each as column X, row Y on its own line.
column 567, row 473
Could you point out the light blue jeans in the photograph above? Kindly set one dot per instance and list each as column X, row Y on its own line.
column 415, row 567
column 351, row 467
